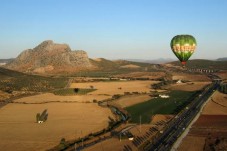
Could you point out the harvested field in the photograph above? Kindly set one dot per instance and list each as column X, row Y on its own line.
column 130, row 100
column 49, row 97
column 111, row 88
column 189, row 77
column 150, row 75
column 211, row 121
column 192, row 143
column 20, row 132
column 222, row 75
column 161, row 118
column 211, row 127
column 189, row 86
column 130, row 66
column 114, row 144
column 217, row 105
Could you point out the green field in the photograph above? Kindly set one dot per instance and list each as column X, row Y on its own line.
column 172, row 105
column 72, row 91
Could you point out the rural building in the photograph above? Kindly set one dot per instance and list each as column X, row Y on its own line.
column 179, row 81
column 163, row 96
column 40, row 122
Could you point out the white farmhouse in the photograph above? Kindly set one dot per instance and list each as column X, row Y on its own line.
column 163, row 96
column 40, row 122
column 179, row 81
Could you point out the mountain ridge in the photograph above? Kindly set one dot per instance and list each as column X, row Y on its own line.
column 49, row 57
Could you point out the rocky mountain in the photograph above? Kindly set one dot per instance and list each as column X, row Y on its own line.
column 49, row 57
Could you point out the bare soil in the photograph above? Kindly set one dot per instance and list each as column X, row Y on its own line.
column 217, row 105
column 222, row 75
column 211, row 121
column 19, row 130
column 161, row 118
column 209, row 132
column 192, row 143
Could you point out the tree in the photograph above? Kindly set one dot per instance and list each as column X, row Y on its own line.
column 43, row 117
column 37, row 117
column 76, row 90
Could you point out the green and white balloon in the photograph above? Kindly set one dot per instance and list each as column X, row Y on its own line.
column 183, row 46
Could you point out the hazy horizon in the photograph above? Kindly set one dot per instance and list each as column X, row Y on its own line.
column 114, row 29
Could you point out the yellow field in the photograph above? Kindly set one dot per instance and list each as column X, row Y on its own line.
column 192, row 143
column 217, row 104
column 111, row 88
column 19, row 132
column 130, row 100
column 114, row 144
column 189, row 86
column 50, row 97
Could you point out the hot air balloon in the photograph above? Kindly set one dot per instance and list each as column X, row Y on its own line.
column 183, row 46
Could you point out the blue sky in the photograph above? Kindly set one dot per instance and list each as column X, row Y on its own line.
column 113, row 29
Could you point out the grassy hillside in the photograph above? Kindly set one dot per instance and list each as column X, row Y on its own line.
column 204, row 64
column 108, row 68
column 16, row 81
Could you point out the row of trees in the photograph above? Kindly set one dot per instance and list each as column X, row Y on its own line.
column 42, row 117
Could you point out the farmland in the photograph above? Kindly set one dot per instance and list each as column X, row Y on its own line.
column 172, row 105
column 73, row 91
column 50, row 97
column 65, row 120
column 118, row 87
column 210, row 130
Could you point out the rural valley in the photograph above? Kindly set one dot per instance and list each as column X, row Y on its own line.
column 53, row 98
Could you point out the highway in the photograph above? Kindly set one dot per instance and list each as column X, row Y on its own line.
column 176, row 127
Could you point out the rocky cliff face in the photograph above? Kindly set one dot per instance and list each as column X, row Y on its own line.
column 49, row 57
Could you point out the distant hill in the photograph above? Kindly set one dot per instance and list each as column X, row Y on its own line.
column 104, row 67
column 49, row 57
column 204, row 64
column 5, row 61
column 222, row 59
column 154, row 61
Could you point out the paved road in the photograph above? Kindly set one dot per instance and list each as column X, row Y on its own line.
column 177, row 126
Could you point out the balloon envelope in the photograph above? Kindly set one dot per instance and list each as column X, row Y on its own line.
column 183, row 46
